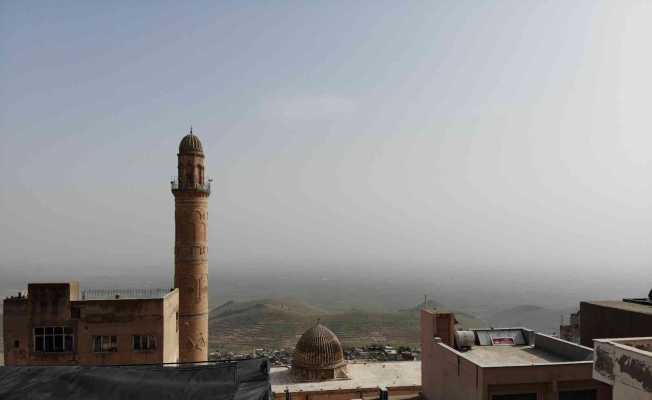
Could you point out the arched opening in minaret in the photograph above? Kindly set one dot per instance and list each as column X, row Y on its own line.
column 189, row 175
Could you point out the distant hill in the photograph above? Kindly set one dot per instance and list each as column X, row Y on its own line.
column 278, row 323
column 530, row 316
column 283, row 305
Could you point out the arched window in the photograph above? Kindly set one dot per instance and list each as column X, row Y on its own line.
column 189, row 175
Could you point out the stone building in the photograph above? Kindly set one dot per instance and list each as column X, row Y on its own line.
column 57, row 323
column 320, row 372
column 318, row 356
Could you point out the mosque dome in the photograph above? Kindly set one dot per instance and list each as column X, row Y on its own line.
column 190, row 144
column 318, row 355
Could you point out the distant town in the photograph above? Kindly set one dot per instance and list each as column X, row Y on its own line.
column 283, row 357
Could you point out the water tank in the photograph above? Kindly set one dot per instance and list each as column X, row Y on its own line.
column 464, row 340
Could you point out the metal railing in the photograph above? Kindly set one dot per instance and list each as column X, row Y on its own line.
column 201, row 187
column 132, row 293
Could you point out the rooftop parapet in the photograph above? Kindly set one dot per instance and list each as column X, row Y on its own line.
column 624, row 362
column 124, row 294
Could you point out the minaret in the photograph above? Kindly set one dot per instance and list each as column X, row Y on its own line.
column 191, row 249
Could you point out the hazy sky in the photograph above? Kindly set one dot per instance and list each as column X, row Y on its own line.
column 509, row 140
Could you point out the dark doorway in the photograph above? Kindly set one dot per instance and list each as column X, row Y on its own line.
column 578, row 395
column 520, row 396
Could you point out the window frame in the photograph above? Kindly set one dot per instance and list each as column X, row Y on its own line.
column 146, row 343
column 107, row 344
column 53, row 339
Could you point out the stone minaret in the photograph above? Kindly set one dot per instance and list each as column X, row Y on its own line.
column 191, row 250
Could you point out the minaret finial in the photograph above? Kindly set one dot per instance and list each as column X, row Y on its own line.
column 191, row 129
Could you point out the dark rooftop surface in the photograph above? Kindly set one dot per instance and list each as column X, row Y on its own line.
column 237, row 380
column 624, row 305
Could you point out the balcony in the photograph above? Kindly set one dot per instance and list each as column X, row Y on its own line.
column 187, row 187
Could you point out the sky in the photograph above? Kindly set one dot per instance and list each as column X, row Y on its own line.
column 506, row 143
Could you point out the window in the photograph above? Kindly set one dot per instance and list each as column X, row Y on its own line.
column 105, row 344
column 16, row 344
column 53, row 339
column 578, row 395
column 75, row 313
column 144, row 343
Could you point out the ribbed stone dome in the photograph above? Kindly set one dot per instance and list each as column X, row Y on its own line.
column 318, row 349
column 190, row 144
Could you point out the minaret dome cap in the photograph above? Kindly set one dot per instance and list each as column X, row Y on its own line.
column 190, row 144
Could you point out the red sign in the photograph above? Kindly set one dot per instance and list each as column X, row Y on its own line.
column 502, row 341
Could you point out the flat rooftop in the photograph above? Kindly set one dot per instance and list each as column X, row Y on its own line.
column 361, row 375
column 511, row 355
column 623, row 305
column 504, row 347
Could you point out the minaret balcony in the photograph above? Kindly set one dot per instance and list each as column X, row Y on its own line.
column 190, row 187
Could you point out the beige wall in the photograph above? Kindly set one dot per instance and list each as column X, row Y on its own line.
column 171, row 327
column 121, row 318
column 439, row 366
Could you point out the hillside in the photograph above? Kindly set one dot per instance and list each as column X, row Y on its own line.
column 529, row 316
column 278, row 323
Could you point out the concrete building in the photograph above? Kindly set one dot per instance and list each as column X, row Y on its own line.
column 53, row 325
column 615, row 319
column 626, row 365
column 319, row 372
column 502, row 364
column 191, row 193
